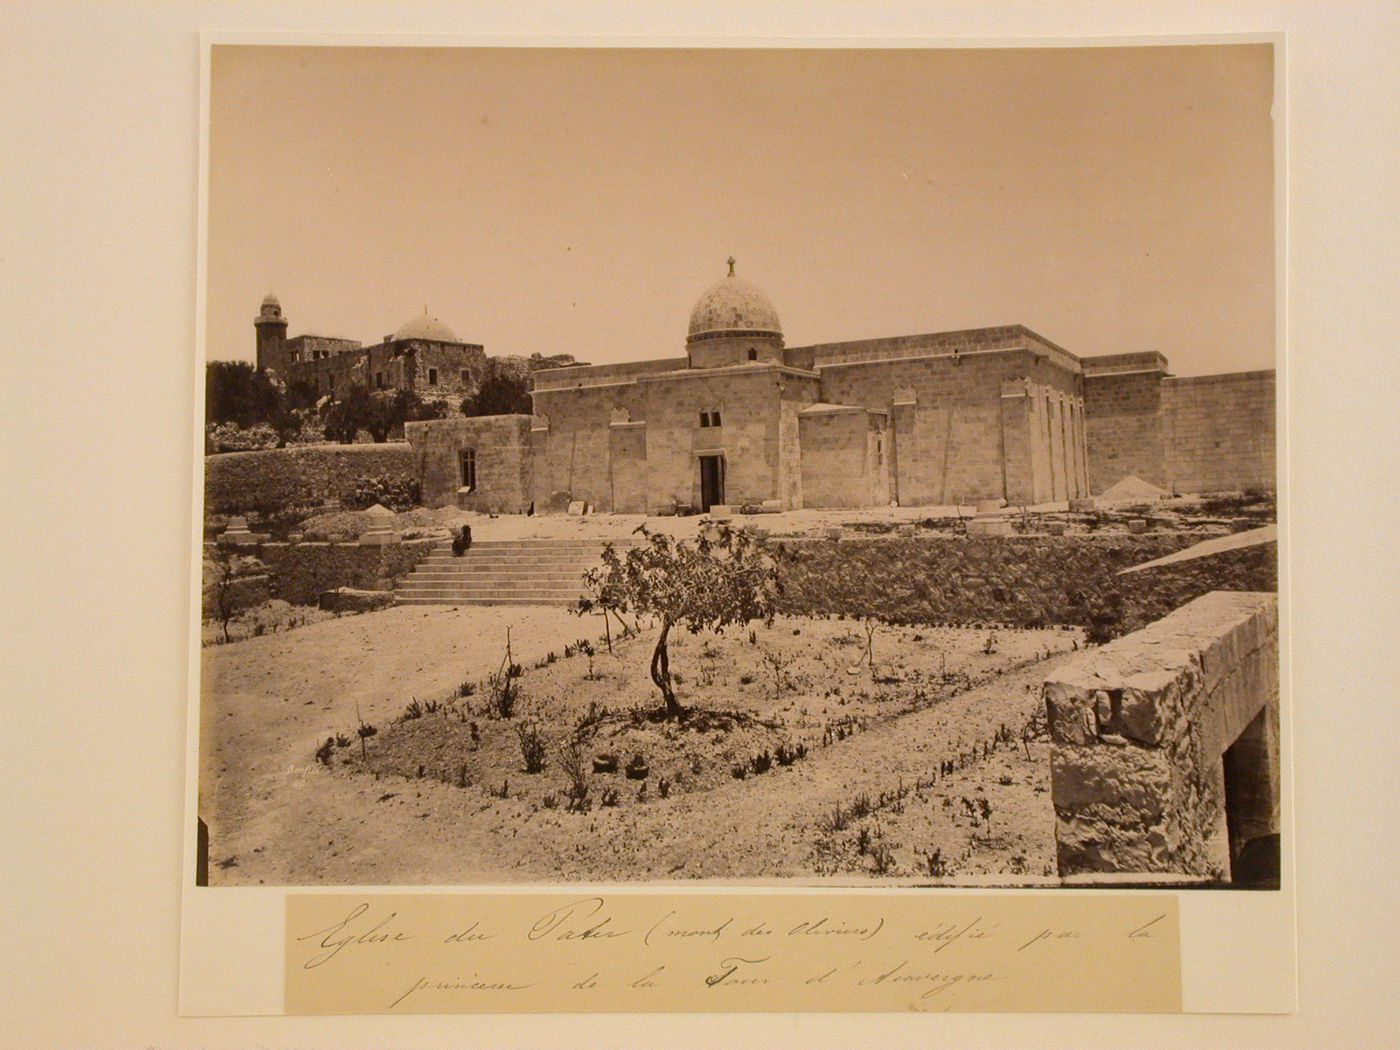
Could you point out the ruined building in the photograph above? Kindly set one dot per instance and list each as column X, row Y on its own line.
column 423, row 355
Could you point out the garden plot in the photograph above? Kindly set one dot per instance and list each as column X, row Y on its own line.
column 810, row 748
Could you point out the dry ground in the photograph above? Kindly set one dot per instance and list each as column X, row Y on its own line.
column 893, row 771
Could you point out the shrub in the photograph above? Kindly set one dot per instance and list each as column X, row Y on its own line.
column 503, row 692
column 532, row 747
column 393, row 491
column 575, row 770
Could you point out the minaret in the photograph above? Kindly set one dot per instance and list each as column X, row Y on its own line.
column 272, row 337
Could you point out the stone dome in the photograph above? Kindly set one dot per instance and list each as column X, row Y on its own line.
column 270, row 300
column 733, row 306
column 425, row 327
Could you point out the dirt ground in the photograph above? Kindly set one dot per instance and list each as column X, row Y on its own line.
column 929, row 769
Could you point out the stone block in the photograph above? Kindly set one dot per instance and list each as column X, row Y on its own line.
column 577, row 508
column 555, row 503
column 1137, row 525
column 348, row 599
column 381, row 538
column 721, row 510
column 1055, row 528
column 989, row 527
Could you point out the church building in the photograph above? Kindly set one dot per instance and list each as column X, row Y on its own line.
column 423, row 355
column 948, row 417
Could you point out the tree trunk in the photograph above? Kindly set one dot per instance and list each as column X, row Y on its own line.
column 661, row 674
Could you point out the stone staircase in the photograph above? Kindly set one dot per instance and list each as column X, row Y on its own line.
column 502, row 572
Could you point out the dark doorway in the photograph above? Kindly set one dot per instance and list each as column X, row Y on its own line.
column 711, row 482
column 1251, row 806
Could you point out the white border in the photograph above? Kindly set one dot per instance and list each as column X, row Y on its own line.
column 1238, row 949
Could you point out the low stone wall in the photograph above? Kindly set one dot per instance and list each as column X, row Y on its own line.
column 301, row 572
column 1026, row 581
column 1164, row 743
column 275, row 480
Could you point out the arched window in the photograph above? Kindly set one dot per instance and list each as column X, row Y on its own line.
column 467, row 459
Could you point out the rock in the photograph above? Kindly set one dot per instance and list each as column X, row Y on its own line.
column 555, row 503
column 347, row 599
column 1083, row 505
column 1055, row 528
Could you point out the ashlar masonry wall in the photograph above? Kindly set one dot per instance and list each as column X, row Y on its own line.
column 501, row 448
column 1219, row 432
column 1164, row 743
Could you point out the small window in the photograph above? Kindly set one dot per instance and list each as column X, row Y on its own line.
column 432, row 377
column 466, row 377
column 467, row 458
column 709, row 419
column 879, row 451
column 379, row 380
column 753, row 354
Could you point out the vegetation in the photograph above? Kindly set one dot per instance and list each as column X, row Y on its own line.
column 377, row 412
column 725, row 577
column 504, row 391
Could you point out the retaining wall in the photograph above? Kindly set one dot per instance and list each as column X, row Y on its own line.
column 1164, row 743
column 275, row 480
column 1026, row 581
column 300, row 572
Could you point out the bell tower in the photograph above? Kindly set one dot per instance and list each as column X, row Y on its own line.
column 272, row 337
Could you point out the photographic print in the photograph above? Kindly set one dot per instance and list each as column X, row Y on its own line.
column 770, row 466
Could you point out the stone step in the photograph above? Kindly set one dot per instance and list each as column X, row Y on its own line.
column 502, row 586
column 480, row 578
column 446, row 594
column 511, row 557
column 595, row 545
column 400, row 599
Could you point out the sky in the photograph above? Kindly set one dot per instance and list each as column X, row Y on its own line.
column 579, row 200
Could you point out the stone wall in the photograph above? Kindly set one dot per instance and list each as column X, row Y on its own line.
column 275, row 480
column 301, row 571
column 1026, row 581
column 1219, row 432
column 502, row 446
column 1164, row 743
column 841, row 466
column 1123, row 427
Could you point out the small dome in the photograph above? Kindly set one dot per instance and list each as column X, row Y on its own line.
column 270, row 300
column 425, row 327
column 733, row 305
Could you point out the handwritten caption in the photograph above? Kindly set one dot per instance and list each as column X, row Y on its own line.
column 469, row 953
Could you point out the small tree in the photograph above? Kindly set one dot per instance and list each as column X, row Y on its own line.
column 726, row 576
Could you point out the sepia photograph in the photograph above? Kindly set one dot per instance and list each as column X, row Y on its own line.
column 761, row 466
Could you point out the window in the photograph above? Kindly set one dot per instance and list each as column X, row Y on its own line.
column 753, row 354
column 879, row 451
column 710, row 419
column 467, row 459
column 466, row 377
column 379, row 380
column 432, row 377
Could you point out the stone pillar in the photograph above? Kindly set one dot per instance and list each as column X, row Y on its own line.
column 1017, row 420
column 904, row 451
column 1140, row 731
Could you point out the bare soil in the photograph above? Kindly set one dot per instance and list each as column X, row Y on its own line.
column 880, row 774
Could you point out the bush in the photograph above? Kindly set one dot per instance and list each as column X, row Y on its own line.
column 230, row 437
column 532, row 746
column 393, row 491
